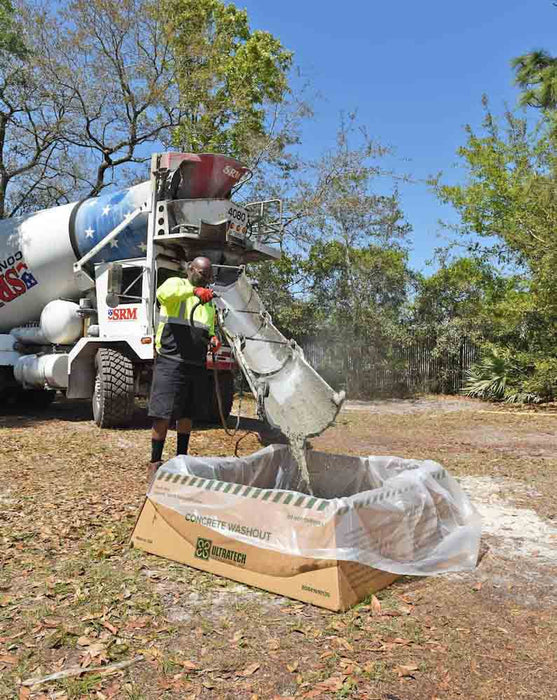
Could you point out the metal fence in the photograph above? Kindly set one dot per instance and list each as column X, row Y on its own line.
column 368, row 372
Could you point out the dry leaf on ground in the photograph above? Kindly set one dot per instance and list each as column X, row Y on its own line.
column 406, row 671
column 249, row 670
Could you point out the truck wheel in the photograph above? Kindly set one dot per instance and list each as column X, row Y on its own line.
column 226, row 388
column 113, row 398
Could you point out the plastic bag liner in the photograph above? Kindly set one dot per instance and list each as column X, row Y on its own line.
column 403, row 516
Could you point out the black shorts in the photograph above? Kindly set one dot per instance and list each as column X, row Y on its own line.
column 178, row 390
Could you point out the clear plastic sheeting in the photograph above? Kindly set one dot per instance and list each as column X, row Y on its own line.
column 398, row 515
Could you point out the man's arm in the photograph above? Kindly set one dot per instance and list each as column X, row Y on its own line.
column 174, row 288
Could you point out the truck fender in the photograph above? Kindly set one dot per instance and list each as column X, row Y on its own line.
column 81, row 363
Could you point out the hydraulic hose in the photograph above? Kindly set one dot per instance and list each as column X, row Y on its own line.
column 197, row 336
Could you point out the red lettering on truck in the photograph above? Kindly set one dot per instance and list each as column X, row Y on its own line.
column 16, row 279
column 15, row 283
column 6, row 292
column 125, row 314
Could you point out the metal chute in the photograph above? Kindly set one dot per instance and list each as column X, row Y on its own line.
column 290, row 393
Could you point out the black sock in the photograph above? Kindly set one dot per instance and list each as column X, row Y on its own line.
column 182, row 443
column 156, row 450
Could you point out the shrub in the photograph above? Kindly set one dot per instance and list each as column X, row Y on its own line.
column 501, row 377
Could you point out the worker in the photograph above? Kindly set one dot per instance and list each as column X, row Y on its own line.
column 180, row 379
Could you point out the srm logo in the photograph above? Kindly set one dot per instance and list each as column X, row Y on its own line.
column 125, row 314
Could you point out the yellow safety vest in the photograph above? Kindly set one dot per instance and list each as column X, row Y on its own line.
column 175, row 338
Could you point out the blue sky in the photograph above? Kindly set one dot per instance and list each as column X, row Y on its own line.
column 415, row 71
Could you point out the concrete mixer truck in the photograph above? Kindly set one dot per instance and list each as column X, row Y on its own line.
column 78, row 282
column 78, row 285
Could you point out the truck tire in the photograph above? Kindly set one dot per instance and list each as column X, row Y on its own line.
column 226, row 387
column 113, row 397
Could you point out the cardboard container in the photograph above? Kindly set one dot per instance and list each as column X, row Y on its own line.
column 244, row 518
column 162, row 530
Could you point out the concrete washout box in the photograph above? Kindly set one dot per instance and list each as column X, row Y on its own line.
column 370, row 520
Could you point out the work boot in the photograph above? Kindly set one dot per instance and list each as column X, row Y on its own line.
column 152, row 471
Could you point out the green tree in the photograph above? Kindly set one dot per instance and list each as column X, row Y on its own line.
column 346, row 195
column 361, row 293
column 359, row 298
column 102, row 81
column 509, row 204
column 510, row 200
column 30, row 146
column 283, row 286
column 11, row 42
column 536, row 74
column 110, row 63
column 468, row 298
column 230, row 77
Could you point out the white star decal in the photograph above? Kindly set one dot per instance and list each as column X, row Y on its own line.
column 114, row 243
column 106, row 210
column 89, row 232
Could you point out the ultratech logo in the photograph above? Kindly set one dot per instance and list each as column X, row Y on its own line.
column 204, row 549
column 125, row 314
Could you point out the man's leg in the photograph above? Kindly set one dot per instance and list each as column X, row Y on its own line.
column 158, row 436
column 183, row 430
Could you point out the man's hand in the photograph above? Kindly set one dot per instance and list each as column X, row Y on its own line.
column 214, row 344
column 204, row 294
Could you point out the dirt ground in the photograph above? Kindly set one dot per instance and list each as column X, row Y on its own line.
column 74, row 595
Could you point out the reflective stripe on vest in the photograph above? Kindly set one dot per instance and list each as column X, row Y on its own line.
column 177, row 302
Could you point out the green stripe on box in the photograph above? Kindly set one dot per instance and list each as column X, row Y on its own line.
column 271, row 495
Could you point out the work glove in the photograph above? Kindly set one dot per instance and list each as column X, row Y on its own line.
column 215, row 344
column 204, row 294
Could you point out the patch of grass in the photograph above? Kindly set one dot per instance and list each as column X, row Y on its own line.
column 131, row 692
column 375, row 671
column 348, row 690
column 80, row 687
